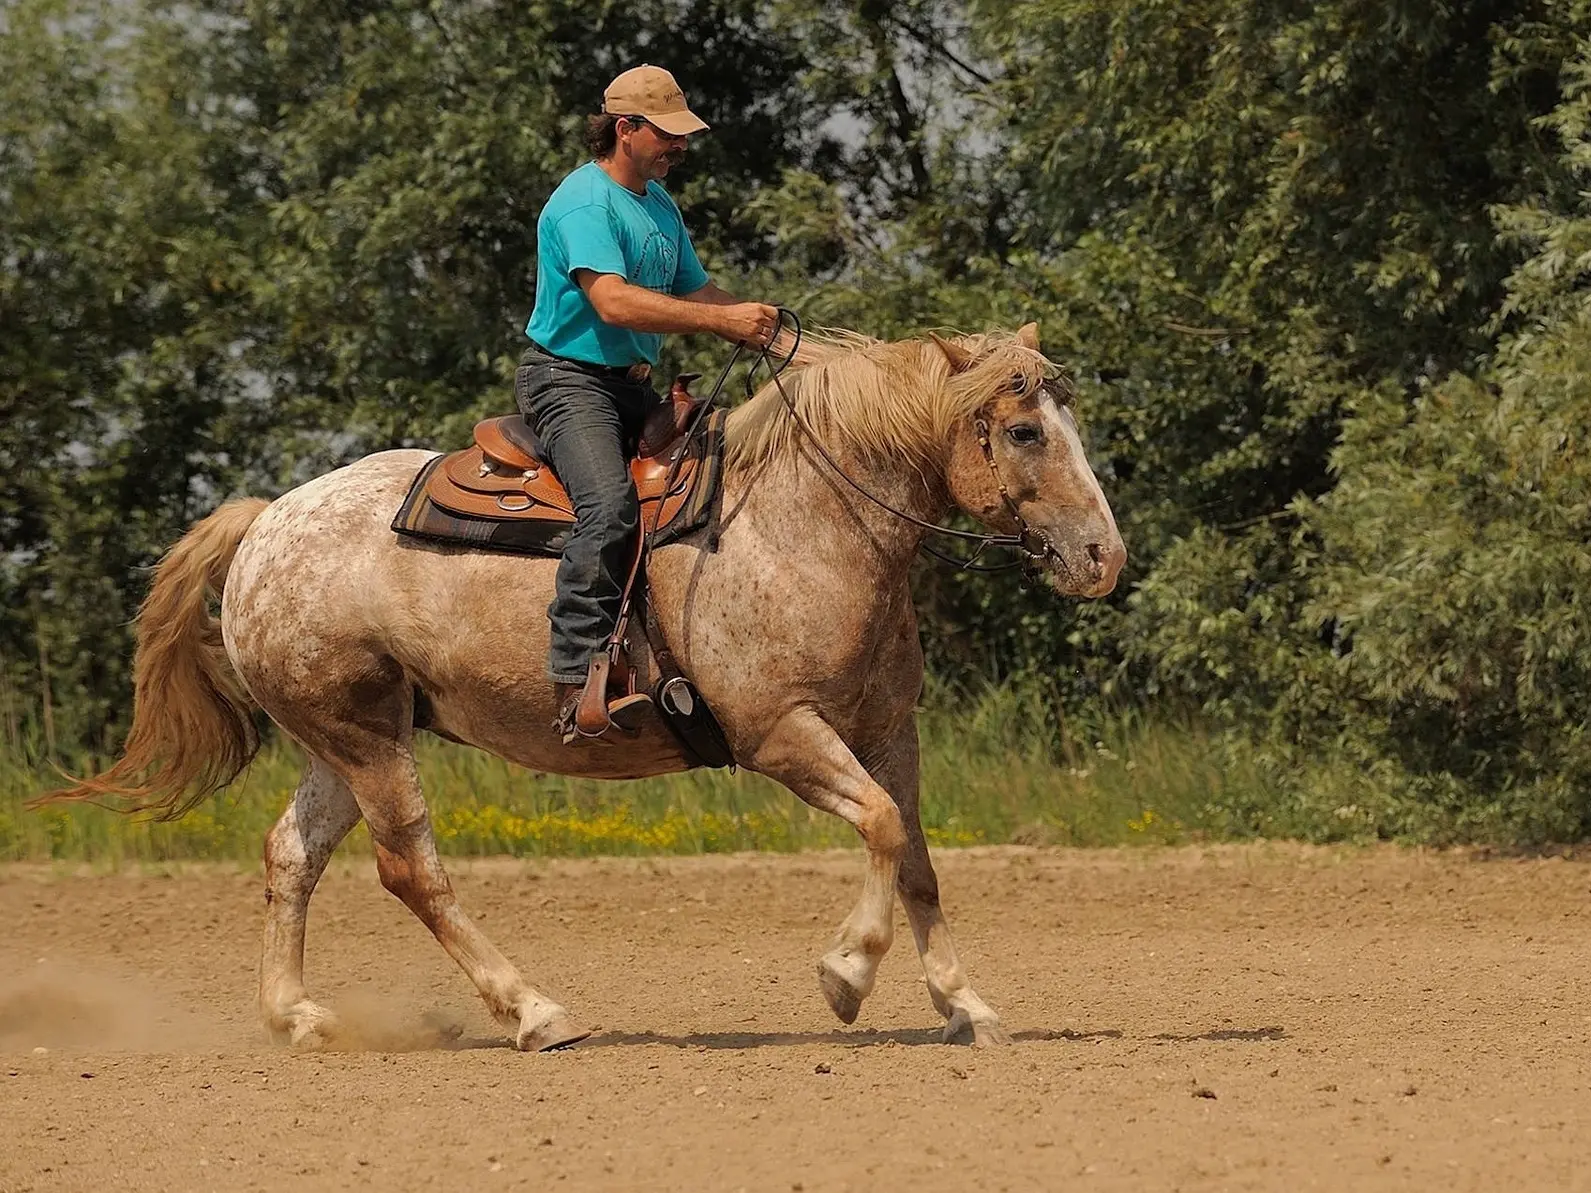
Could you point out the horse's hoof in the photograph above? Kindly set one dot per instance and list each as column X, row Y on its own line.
column 557, row 1030
column 309, row 1028
column 985, row 1033
column 844, row 999
column 313, row 1038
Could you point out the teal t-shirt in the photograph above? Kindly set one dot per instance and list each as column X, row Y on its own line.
column 591, row 222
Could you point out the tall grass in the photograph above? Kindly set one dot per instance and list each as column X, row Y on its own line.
column 996, row 767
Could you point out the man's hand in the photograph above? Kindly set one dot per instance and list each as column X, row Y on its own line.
column 779, row 339
column 750, row 323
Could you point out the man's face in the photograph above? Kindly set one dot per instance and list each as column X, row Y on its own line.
column 653, row 151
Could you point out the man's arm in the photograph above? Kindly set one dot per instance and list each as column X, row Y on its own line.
column 713, row 295
column 619, row 303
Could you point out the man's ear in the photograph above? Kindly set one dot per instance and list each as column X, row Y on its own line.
column 958, row 356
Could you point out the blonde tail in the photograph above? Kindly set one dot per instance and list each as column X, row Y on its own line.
column 193, row 729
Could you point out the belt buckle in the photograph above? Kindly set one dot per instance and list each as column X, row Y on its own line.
column 638, row 373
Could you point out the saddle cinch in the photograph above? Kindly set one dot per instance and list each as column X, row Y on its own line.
column 500, row 495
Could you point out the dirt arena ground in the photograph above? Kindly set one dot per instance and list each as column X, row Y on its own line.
column 1262, row 1017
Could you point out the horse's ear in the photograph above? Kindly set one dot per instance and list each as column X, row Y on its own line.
column 958, row 356
column 1028, row 336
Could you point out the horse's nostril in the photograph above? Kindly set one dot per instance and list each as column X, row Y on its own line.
column 1096, row 553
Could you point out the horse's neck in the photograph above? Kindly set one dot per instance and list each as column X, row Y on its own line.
column 807, row 593
column 819, row 510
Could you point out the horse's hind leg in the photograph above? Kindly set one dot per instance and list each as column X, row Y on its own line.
column 388, row 793
column 296, row 852
column 971, row 1020
column 807, row 756
column 354, row 712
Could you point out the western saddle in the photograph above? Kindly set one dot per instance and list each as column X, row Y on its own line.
column 503, row 476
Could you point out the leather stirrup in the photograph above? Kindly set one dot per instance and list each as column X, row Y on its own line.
column 591, row 714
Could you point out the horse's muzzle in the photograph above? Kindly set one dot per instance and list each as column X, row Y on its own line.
column 1085, row 568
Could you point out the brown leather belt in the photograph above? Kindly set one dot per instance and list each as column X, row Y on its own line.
column 637, row 374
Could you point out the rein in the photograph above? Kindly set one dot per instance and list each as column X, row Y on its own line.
column 1035, row 551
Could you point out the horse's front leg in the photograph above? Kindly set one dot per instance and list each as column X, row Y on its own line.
column 971, row 1020
column 805, row 754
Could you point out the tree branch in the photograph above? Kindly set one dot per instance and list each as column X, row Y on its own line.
column 934, row 45
column 1211, row 333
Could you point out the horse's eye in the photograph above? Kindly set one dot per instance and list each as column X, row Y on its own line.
column 1025, row 434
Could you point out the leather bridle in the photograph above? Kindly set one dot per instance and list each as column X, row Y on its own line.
column 1034, row 547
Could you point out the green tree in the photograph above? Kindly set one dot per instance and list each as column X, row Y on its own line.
column 246, row 241
column 1454, row 561
column 123, row 239
column 1249, row 217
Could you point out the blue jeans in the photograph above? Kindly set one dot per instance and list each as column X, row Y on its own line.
column 589, row 423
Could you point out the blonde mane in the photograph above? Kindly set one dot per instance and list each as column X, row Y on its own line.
column 877, row 398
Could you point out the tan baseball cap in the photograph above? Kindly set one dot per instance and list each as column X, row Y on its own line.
column 650, row 91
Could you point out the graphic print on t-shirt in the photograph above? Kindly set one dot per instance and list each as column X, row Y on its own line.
column 658, row 260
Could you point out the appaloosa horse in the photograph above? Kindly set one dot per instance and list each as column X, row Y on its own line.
column 798, row 630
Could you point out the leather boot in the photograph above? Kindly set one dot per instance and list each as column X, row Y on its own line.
column 586, row 712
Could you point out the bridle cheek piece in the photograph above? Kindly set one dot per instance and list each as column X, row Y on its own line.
column 1034, row 546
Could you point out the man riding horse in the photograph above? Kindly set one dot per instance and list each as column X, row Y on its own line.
column 615, row 272
column 798, row 629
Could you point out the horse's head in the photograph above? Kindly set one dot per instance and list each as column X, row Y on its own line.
column 1022, row 438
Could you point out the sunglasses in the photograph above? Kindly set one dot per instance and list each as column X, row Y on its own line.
column 664, row 133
